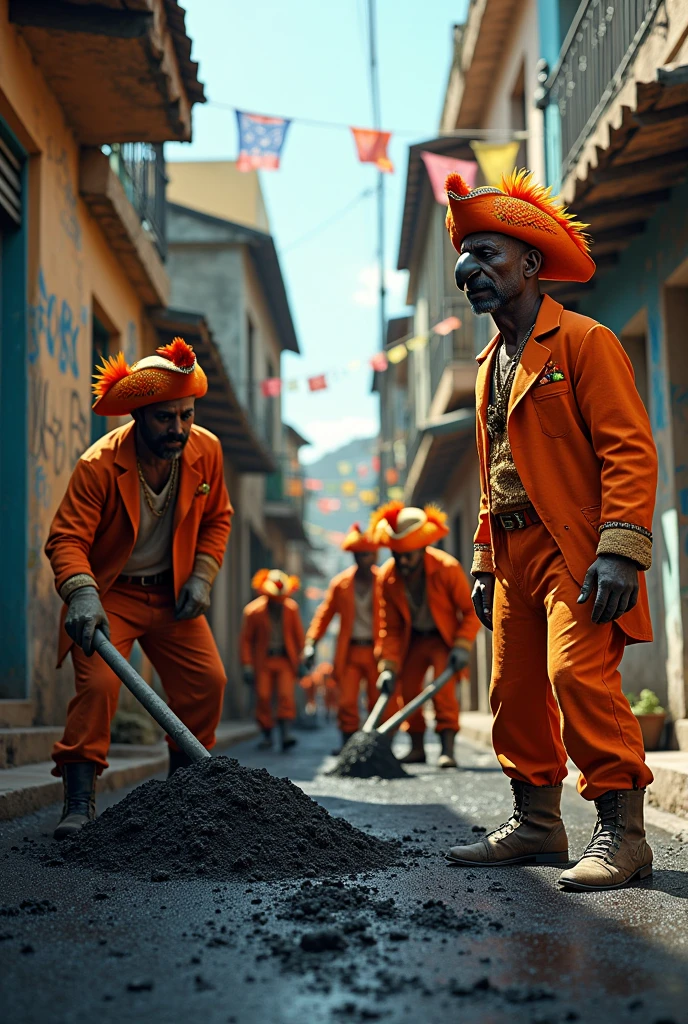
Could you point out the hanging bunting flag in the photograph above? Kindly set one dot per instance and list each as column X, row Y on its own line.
column 292, row 385
column 372, row 148
column 349, row 488
column 327, row 505
column 362, row 469
column 397, row 354
column 318, row 383
column 344, row 468
column 272, row 387
column 391, row 475
column 495, row 160
column 260, row 141
column 369, row 497
column 378, row 362
column 417, row 343
column 438, row 167
column 311, row 484
column 375, row 463
column 395, row 493
column 294, row 487
column 352, row 505
column 452, row 323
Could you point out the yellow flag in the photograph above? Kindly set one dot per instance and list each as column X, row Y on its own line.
column 397, row 354
column 495, row 160
column 349, row 487
column 414, row 344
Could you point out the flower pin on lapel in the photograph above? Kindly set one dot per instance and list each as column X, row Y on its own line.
column 203, row 488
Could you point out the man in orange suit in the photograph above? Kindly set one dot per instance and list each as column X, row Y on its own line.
column 351, row 596
column 135, row 547
column 568, row 474
column 426, row 618
column 271, row 645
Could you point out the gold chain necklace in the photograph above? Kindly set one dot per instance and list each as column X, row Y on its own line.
column 497, row 410
column 147, row 492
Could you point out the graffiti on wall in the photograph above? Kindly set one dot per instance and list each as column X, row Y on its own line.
column 54, row 327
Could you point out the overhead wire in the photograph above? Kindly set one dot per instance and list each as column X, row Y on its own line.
column 318, row 228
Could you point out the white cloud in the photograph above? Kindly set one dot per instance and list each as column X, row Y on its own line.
column 368, row 292
column 328, row 435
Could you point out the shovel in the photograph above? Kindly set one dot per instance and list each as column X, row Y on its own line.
column 369, row 751
column 156, row 708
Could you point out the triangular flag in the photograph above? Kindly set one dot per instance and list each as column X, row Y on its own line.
column 495, row 160
column 438, row 167
column 378, row 362
column 272, row 387
column 318, row 383
column 397, row 354
column 292, row 385
column 260, row 141
column 452, row 323
column 420, row 341
column 372, row 148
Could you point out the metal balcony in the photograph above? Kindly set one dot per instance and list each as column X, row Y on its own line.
column 140, row 166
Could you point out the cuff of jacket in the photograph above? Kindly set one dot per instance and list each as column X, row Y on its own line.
column 385, row 665
column 206, row 568
column 482, row 559
column 629, row 543
column 74, row 583
column 461, row 641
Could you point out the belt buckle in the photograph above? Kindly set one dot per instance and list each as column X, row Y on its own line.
column 147, row 581
column 513, row 521
column 507, row 521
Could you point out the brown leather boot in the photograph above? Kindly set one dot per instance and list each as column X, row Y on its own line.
column 79, row 781
column 446, row 758
column 618, row 852
column 534, row 834
column 416, row 754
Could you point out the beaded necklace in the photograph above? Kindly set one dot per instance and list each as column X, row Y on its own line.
column 497, row 410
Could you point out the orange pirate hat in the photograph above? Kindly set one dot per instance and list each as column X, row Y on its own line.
column 357, row 540
column 172, row 373
column 401, row 528
column 275, row 583
column 525, row 210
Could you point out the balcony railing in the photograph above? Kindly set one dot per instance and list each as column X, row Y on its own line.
column 140, row 166
column 599, row 47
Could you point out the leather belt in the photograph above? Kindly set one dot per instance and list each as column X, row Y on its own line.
column 518, row 519
column 361, row 643
column 425, row 632
column 159, row 579
column 277, row 652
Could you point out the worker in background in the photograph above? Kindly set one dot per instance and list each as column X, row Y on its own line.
column 271, row 644
column 351, row 596
column 426, row 618
column 135, row 546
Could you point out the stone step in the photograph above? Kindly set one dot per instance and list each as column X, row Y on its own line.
column 30, row 745
column 16, row 714
column 30, row 787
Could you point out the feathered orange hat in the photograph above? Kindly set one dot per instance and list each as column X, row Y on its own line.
column 402, row 528
column 358, row 540
column 275, row 583
column 525, row 210
column 172, row 373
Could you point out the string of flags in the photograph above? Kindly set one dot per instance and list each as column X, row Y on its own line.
column 262, row 139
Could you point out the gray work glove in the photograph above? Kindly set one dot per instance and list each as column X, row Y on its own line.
column 194, row 599
column 615, row 578
column 249, row 675
column 84, row 614
column 483, row 597
column 308, row 657
column 458, row 659
column 385, row 681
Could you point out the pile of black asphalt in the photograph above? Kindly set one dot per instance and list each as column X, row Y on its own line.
column 368, row 755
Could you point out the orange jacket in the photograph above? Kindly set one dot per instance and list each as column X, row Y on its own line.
column 255, row 633
column 97, row 522
column 582, row 446
column 339, row 600
column 449, row 599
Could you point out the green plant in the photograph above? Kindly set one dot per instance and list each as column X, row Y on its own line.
column 646, row 704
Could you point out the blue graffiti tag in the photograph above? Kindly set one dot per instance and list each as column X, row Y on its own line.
column 54, row 323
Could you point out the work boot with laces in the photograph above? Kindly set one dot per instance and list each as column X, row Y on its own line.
column 618, row 852
column 79, row 781
column 416, row 754
column 534, row 834
column 446, row 758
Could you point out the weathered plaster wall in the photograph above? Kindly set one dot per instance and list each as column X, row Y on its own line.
column 70, row 266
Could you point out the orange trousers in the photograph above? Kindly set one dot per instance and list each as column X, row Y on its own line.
column 276, row 677
column 360, row 665
column 556, row 685
column 425, row 652
column 183, row 654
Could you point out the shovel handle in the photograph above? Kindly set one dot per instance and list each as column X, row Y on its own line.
column 156, row 708
column 376, row 714
column 409, row 708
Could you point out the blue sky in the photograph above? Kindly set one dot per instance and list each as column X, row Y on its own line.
column 308, row 58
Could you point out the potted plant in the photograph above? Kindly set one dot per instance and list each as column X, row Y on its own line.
column 651, row 717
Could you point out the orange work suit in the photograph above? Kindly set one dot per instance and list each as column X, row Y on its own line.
column 411, row 654
column 94, row 532
column 352, row 662
column 584, row 451
column 275, row 674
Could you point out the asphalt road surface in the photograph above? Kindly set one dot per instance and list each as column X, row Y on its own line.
column 76, row 946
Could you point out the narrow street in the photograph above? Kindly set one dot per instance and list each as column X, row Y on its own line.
column 500, row 945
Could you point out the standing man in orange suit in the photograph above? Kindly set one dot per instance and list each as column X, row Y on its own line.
column 271, row 645
column 568, row 472
column 135, row 547
column 351, row 595
column 426, row 618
